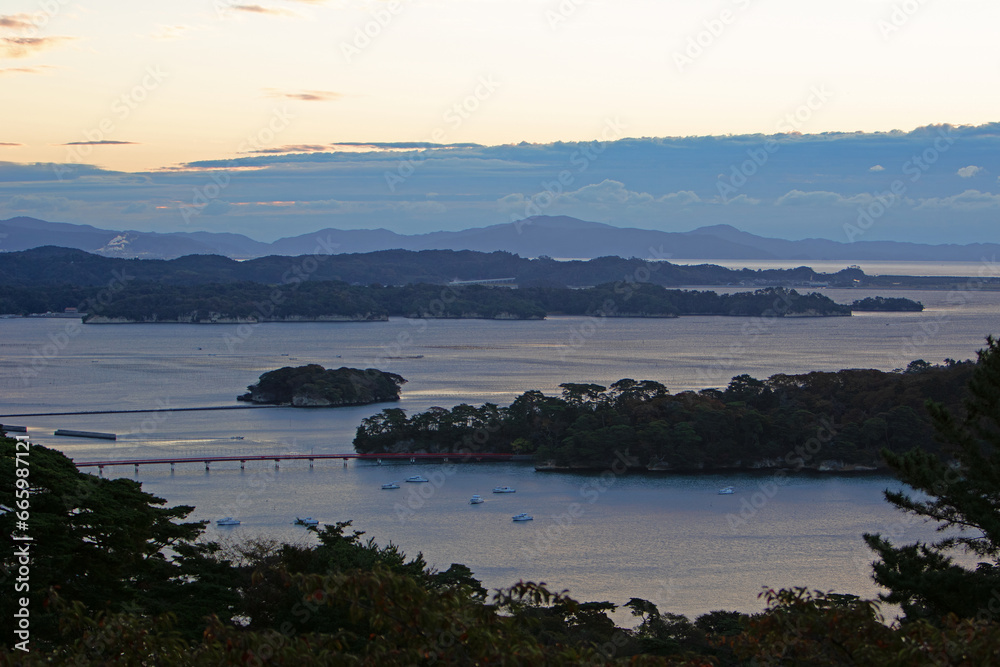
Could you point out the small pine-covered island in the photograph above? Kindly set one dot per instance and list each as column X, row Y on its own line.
column 881, row 304
column 313, row 386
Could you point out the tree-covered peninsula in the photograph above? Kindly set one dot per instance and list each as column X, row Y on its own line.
column 338, row 301
column 816, row 421
column 313, row 386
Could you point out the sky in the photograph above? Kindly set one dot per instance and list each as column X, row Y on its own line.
column 856, row 120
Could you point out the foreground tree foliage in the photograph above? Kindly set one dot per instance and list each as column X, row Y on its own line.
column 349, row 601
column 962, row 486
column 801, row 627
column 102, row 542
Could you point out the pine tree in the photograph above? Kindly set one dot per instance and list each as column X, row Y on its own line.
column 963, row 496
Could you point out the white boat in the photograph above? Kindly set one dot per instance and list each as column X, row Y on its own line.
column 522, row 517
column 503, row 489
column 725, row 491
column 391, row 485
column 308, row 521
column 417, row 478
column 228, row 521
column 476, row 499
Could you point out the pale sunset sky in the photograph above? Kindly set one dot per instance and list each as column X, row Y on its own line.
column 117, row 113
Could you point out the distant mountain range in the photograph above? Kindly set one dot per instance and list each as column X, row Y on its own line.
column 552, row 236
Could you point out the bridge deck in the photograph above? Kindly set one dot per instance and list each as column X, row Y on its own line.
column 290, row 457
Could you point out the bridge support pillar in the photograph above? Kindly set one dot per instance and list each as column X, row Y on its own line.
column 206, row 466
column 171, row 467
column 100, row 471
column 276, row 463
column 413, row 459
column 345, row 463
column 243, row 465
column 136, row 469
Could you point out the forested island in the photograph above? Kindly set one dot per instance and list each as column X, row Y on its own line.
column 375, row 286
column 313, row 386
column 819, row 421
column 888, row 305
column 339, row 302
column 51, row 265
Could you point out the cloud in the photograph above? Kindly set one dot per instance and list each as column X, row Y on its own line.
column 305, row 95
column 42, row 204
column 137, row 207
column 293, row 148
column 969, row 172
column 21, row 47
column 37, row 69
column 608, row 196
column 102, row 142
column 970, row 200
column 216, row 207
column 16, row 21
column 7, row 143
column 877, row 167
column 260, row 9
column 820, row 198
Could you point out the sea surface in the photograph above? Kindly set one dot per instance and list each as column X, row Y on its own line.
column 670, row 539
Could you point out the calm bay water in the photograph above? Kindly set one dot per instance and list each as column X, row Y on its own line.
column 673, row 540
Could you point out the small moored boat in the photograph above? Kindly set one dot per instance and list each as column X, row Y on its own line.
column 228, row 521
column 503, row 489
column 726, row 490
column 391, row 485
column 523, row 516
column 417, row 478
column 308, row 521
column 476, row 499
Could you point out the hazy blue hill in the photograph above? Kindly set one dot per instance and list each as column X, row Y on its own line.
column 51, row 266
column 552, row 236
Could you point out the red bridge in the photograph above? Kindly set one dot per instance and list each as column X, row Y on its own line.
column 277, row 458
